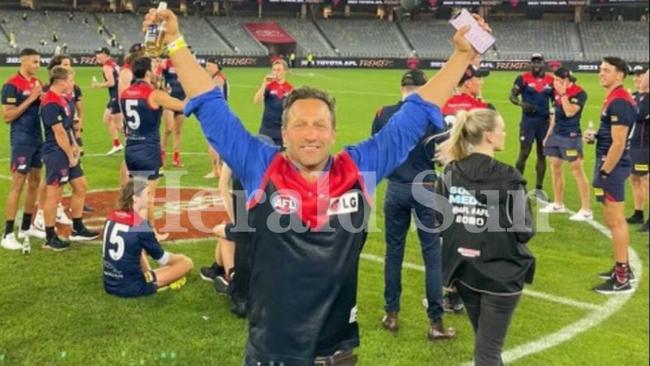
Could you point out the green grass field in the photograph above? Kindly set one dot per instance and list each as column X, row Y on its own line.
column 53, row 310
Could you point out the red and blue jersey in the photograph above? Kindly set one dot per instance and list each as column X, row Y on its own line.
column 274, row 96
column 115, row 71
column 171, row 79
column 55, row 109
column 537, row 91
column 569, row 126
column 463, row 102
column 315, row 229
column 619, row 109
column 142, row 125
column 640, row 135
column 126, row 235
column 26, row 128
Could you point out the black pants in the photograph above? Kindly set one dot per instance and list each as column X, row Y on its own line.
column 490, row 316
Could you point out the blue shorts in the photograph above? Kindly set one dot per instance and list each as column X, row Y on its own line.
column 531, row 130
column 58, row 171
column 565, row 148
column 144, row 286
column 25, row 157
column 611, row 189
column 114, row 106
column 143, row 163
column 640, row 161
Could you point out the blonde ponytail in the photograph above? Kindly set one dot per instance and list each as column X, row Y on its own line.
column 468, row 130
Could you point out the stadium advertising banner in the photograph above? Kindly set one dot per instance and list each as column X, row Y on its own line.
column 348, row 63
column 463, row 3
column 373, row 2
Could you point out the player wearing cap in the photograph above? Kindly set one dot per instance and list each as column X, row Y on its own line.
column 61, row 158
column 20, row 102
column 410, row 190
column 468, row 95
column 112, row 115
column 273, row 91
column 173, row 119
column 309, row 209
column 613, row 166
column 564, row 143
column 536, row 90
column 215, row 70
column 639, row 148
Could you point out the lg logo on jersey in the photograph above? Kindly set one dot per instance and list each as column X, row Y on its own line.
column 348, row 203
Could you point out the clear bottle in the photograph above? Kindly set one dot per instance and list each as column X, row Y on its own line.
column 153, row 46
column 591, row 133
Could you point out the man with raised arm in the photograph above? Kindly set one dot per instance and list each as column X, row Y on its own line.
column 308, row 208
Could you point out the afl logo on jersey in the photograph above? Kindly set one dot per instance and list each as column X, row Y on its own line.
column 284, row 204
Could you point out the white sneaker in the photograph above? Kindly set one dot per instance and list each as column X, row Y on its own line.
column 35, row 232
column 582, row 215
column 39, row 221
column 553, row 208
column 61, row 217
column 9, row 242
column 114, row 150
column 210, row 175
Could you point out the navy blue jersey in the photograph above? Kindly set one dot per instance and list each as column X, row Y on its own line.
column 421, row 157
column 537, row 91
column 640, row 137
column 171, row 80
column 142, row 120
column 55, row 109
column 569, row 126
column 273, row 107
column 126, row 235
column 26, row 129
column 619, row 110
column 322, row 255
column 115, row 70
column 72, row 98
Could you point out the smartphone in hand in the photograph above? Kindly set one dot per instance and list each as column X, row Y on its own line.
column 477, row 37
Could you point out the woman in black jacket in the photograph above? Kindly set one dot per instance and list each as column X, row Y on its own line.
column 486, row 224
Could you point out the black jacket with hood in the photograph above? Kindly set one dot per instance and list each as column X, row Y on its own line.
column 490, row 220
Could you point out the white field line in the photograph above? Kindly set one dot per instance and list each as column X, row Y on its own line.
column 536, row 294
column 593, row 319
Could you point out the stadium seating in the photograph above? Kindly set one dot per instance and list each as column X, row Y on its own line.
column 429, row 38
column 307, row 37
column 516, row 39
column 80, row 36
column 201, row 37
column 232, row 29
column 365, row 38
column 625, row 39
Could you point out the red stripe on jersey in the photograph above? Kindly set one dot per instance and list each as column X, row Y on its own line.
column 539, row 84
column 125, row 217
column 312, row 199
column 139, row 90
column 616, row 94
column 571, row 92
column 52, row 98
column 23, row 84
column 462, row 102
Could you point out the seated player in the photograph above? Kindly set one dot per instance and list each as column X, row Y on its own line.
column 564, row 143
column 127, row 236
